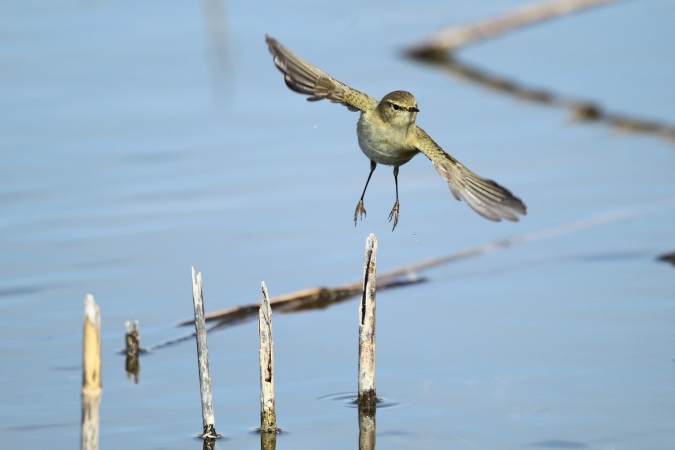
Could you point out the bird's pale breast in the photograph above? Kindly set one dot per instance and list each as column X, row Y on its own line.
column 383, row 143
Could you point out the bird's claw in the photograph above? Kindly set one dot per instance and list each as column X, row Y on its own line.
column 360, row 211
column 394, row 215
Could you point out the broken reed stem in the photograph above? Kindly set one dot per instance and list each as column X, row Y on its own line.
column 91, row 374
column 208, row 418
column 456, row 37
column 268, row 415
column 367, row 397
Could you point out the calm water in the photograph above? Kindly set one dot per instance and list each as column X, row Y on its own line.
column 140, row 138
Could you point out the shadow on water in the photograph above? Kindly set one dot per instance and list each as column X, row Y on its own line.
column 581, row 110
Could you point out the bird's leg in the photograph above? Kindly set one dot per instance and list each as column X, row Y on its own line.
column 394, row 211
column 359, row 208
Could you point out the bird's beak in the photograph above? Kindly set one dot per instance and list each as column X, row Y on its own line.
column 413, row 109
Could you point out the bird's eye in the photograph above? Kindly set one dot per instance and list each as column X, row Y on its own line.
column 395, row 106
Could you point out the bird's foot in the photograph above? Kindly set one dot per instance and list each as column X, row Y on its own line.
column 360, row 210
column 394, row 215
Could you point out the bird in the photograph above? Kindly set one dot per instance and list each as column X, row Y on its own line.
column 387, row 134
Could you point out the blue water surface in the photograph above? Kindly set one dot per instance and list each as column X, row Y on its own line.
column 138, row 139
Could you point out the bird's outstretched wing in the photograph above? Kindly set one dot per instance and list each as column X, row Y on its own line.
column 302, row 77
column 486, row 197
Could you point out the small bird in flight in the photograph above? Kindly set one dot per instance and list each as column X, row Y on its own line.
column 388, row 135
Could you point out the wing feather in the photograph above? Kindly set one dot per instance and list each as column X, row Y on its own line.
column 487, row 198
column 302, row 77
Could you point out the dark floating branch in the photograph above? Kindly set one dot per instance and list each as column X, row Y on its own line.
column 668, row 257
column 451, row 39
column 581, row 110
column 323, row 297
column 441, row 48
column 308, row 299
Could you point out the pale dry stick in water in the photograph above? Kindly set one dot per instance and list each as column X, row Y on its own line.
column 268, row 415
column 208, row 417
column 91, row 375
column 367, row 395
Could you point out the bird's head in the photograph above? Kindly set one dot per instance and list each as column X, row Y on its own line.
column 398, row 108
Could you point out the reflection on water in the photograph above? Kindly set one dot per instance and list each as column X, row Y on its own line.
column 215, row 25
column 209, row 444
column 366, row 431
column 268, row 441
